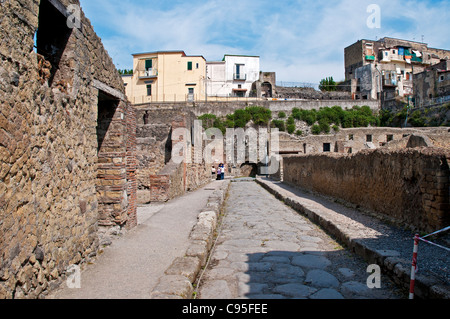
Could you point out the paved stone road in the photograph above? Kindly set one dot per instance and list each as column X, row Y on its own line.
column 267, row 250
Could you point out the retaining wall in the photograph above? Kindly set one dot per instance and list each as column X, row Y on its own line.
column 408, row 187
column 228, row 107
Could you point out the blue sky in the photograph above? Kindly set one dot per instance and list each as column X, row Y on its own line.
column 300, row 40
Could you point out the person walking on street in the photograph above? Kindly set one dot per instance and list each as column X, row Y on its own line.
column 222, row 171
column 219, row 172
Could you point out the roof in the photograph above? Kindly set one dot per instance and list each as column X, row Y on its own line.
column 160, row 52
column 169, row 52
column 240, row 55
column 215, row 62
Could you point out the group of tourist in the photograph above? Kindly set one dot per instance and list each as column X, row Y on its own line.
column 220, row 171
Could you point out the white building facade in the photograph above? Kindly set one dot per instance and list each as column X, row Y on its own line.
column 233, row 76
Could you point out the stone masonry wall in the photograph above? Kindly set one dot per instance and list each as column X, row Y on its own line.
column 154, row 150
column 177, row 178
column 54, row 144
column 409, row 187
column 224, row 108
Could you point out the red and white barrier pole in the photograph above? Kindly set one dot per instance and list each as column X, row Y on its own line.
column 414, row 266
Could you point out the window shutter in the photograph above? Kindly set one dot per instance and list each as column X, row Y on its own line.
column 189, row 65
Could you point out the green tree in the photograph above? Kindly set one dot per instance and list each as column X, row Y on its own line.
column 279, row 124
column 290, row 120
column 327, row 84
column 324, row 126
column 241, row 118
column 259, row 115
column 315, row 129
column 125, row 71
column 416, row 119
column 290, row 128
column 207, row 120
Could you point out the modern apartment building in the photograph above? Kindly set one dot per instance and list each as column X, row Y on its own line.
column 384, row 69
column 166, row 76
column 233, row 76
column 173, row 76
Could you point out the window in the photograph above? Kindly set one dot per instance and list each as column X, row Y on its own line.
column 326, row 147
column 189, row 65
column 51, row 39
column 239, row 72
column 148, row 64
column 350, row 137
column 389, row 138
column 196, row 65
column 190, row 96
column 149, row 89
column 368, row 138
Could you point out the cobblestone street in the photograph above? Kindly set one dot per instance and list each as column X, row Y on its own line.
column 267, row 250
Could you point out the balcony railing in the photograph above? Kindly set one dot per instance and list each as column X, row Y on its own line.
column 239, row 76
column 389, row 82
column 149, row 73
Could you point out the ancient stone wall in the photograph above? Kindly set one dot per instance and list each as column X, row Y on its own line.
column 409, row 187
column 65, row 152
column 353, row 140
column 159, row 178
column 224, row 108
column 309, row 93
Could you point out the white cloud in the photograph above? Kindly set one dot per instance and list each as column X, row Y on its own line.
column 302, row 41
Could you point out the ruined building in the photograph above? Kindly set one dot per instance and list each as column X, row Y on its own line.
column 384, row 69
column 433, row 85
column 67, row 145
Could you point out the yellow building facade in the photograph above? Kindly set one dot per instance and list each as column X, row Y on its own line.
column 166, row 76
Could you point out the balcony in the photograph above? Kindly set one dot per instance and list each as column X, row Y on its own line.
column 147, row 74
column 239, row 77
column 389, row 82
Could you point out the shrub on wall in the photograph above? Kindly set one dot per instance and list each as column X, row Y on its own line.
column 290, row 128
column 315, row 129
column 279, row 124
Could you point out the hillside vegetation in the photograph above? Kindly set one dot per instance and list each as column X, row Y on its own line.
column 327, row 119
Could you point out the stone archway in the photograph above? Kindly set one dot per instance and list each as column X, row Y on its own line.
column 266, row 89
column 249, row 169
